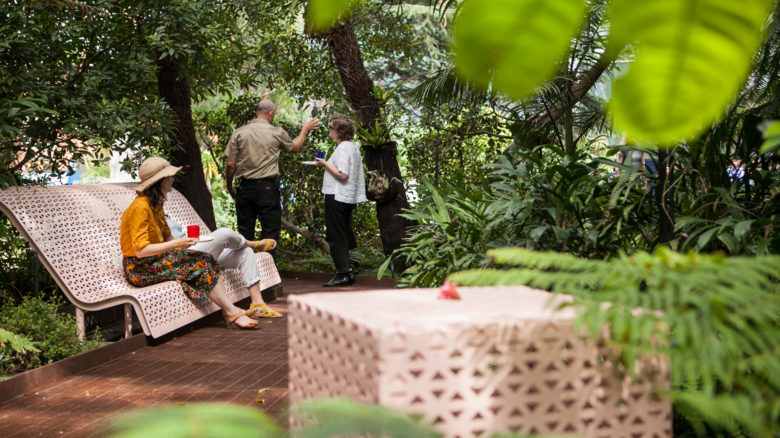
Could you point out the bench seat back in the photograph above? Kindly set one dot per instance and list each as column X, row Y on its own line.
column 75, row 230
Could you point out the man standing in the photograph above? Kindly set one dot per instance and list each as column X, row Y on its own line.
column 253, row 160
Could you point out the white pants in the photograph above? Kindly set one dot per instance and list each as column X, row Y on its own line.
column 229, row 250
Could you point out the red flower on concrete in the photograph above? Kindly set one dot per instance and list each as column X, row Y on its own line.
column 448, row 291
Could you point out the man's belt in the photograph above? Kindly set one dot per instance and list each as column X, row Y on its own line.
column 243, row 180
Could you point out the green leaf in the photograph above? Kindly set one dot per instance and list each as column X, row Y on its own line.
column 537, row 232
column 515, row 44
column 324, row 14
column 771, row 132
column 742, row 228
column 729, row 241
column 339, row 417
column 705, row 238
column 200, row 419
column 16, row 342
column 692, row 56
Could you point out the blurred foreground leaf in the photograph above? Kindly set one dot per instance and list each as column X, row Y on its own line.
column 515, row 44
column 202, row 420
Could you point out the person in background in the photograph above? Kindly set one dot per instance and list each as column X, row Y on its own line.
column 253, row 160
column 233, row 251
column 344, row 186
column 152, row 255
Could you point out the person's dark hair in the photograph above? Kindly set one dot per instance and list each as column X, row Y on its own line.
column 155, row 194
column 343, row 125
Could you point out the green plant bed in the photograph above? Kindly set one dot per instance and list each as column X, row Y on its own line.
column 33, row 332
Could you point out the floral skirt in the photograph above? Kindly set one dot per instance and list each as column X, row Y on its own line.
column 197, row 272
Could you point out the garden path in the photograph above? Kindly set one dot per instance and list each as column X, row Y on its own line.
column 209, row 363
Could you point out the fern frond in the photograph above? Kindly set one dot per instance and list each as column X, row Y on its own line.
column 716, row 318
column 540, row 260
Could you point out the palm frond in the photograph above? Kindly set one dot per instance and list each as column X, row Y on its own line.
column 444, row 86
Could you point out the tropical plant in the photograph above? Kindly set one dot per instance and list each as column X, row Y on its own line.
column 64, row 91
column 452, row 233
column 546, row 200
column 716, row 318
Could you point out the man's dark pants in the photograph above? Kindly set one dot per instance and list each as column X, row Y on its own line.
column 338, row 231
column 259, row 199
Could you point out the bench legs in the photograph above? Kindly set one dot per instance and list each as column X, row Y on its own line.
column 128, row 320
column 80, row 323
column 80, row 330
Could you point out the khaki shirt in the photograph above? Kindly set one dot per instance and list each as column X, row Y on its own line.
column 255, row 147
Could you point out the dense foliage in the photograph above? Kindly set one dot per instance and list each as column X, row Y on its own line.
column 43, row 334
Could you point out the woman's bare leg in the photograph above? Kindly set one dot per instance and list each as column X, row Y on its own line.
column 219, row 296
column 254, row 292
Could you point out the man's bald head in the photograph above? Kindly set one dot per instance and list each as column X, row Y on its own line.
column 265, row 106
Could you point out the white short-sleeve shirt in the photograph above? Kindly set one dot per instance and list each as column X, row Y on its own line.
column 346, row 158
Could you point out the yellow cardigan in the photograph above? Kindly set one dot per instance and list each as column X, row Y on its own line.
column 142, row 225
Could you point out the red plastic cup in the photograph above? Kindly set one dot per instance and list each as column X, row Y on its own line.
column 193, row 231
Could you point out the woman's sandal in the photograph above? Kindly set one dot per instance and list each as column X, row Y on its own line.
column 230, row 321
column 262, row 311
column 269, row 245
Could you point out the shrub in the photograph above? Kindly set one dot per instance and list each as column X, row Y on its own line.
column 14, row 350
column 52, row 333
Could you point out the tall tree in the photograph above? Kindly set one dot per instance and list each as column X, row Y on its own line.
column 380, row 158
column 175, row 91
column 198, row 48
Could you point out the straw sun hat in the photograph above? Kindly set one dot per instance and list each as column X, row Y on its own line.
column 152, row 170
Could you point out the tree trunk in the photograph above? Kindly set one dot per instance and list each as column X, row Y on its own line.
column 344, row 47
column 175, row 91
column 663, row 200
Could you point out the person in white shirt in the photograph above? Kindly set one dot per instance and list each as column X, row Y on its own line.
column 344, row 186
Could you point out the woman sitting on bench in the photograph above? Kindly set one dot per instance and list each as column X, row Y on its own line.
column 152, row 255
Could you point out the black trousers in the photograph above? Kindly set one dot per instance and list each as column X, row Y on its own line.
column 338, row 231
column 259, row 199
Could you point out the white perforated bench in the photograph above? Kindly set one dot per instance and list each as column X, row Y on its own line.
column 75, row 230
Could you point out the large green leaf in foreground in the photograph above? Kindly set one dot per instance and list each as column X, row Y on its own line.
column 515, row 44
column 692, row 56
column 325, row 14
column 206, row 420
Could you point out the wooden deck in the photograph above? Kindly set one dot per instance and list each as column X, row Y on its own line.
column 205, row 363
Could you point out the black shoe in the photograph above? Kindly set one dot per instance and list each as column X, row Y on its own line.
column 341, row 279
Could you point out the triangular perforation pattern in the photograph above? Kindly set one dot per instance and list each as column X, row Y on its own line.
column 473, row 379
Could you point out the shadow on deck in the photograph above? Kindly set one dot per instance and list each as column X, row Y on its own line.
column 202, row 362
